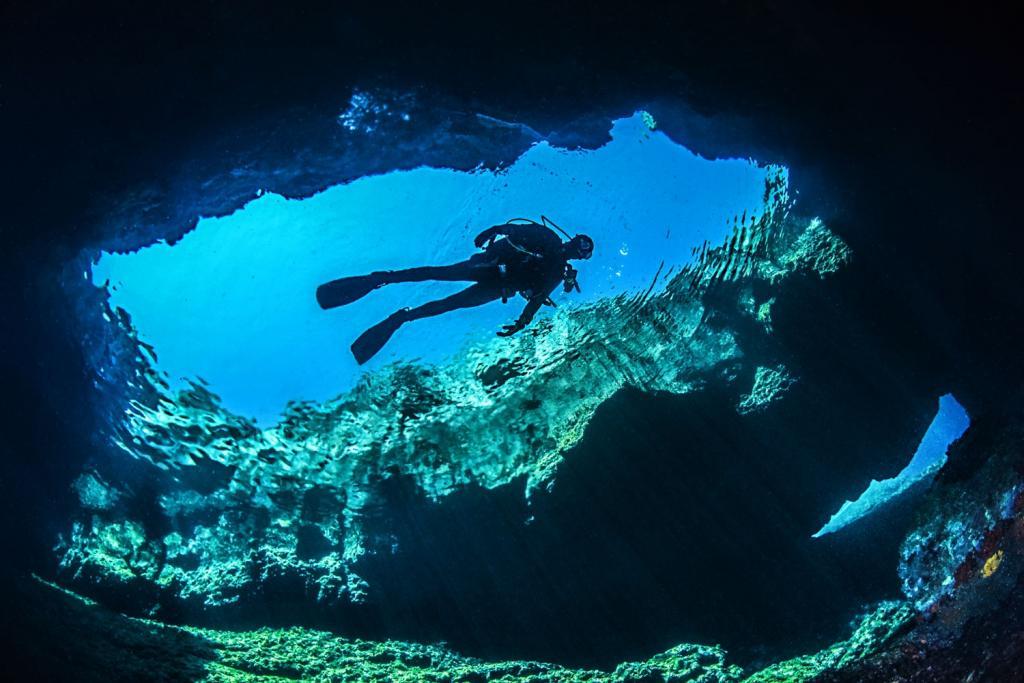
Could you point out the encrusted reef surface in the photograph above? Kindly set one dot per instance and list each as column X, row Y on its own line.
column 236, row 508
column 84, row 640
column 961, row 566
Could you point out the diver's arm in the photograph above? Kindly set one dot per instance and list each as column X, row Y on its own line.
column 530, row 310
column 489, row 234
column 530, row 237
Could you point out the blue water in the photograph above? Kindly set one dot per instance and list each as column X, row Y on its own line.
column 233, row 301
column 949, row 424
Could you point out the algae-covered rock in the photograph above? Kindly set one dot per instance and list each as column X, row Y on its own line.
column 769, row 386
column 65, row 637
column 959, row 526
column 961, row 567
column 94, row 493
column 697, row 663
column 110, row 552
column 817, row 250
column 208, row 565
column 963, row 563
column 875, row 630
column 104, row 643
column 106, row 646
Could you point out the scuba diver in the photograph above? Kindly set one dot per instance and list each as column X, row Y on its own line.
column 521, row 256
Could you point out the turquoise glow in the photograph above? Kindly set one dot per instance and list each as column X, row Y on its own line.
column 232, row 302
column 950, row 422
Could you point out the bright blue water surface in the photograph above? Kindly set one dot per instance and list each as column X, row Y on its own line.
column 949, row 424
column 232, row 302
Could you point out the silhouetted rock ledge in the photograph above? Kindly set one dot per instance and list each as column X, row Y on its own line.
column 75, row 638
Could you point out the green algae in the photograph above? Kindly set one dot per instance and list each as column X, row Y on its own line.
column 107, row 646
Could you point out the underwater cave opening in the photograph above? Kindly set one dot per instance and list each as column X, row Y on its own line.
column 232, row 302
column 387, row 501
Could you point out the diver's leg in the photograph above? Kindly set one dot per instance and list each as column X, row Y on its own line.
column 345, row 290
column 373, row 340
column 474, row 295
column 463, row 271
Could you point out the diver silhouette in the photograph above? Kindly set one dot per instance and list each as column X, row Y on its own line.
column 529, row 259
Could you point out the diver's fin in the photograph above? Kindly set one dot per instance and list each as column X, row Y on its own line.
column 373, row 340
column 346, row 290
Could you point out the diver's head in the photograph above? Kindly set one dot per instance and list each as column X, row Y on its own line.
column 579, row 247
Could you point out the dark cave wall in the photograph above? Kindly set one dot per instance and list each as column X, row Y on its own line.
column 643, row 543
column 674, row 520
column 902, row 136
column 683, row 520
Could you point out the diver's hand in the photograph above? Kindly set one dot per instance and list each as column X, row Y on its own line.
column 509, row 330
column 484, row 238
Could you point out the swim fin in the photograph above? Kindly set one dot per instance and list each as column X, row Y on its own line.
column 373, row 340
column 347, row 289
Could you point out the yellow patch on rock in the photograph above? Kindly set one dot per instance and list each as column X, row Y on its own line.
column 992, row 564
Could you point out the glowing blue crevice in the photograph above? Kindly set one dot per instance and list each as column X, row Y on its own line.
column 233, row 301
column 949, row 424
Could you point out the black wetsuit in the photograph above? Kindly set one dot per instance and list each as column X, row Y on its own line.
column 528, row 260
